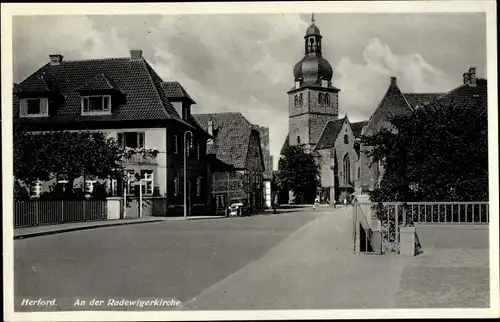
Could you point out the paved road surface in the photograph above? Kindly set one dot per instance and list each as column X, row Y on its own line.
column 168, row 259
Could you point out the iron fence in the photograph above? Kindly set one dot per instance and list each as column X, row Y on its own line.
column 38, row 212
column 393, row 215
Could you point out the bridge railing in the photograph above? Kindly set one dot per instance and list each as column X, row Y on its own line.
column 394, row 215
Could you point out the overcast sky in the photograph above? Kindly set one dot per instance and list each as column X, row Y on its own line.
column 244, row 62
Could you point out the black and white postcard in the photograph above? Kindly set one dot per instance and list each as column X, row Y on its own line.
column 238, row 161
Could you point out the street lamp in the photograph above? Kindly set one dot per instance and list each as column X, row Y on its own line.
column 185, row 166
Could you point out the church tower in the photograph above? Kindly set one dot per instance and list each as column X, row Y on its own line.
column 313, row 101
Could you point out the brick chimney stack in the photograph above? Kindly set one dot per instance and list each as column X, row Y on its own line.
column 470, row 77
column 394, row 81
column 135, row 54
column 56, row 59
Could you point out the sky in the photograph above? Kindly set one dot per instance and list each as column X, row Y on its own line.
column 243, row 62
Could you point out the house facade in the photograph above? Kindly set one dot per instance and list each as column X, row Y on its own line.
column 238, row 166
column 127, row 100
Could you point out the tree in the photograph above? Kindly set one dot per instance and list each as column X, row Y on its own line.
column 44, row 156
column 298, row 170
column 438, row 152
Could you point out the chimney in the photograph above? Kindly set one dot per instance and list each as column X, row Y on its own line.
column 472, row 76
column 135, row 54
column 394, row 81
column 55, row 59
column 466, row 78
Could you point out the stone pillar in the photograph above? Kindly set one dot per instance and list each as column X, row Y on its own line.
column 376, row 236
column 407, row 241
column 114, row 207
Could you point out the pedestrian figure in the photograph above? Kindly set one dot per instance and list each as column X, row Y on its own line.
column 345, row 202
column 316, row 202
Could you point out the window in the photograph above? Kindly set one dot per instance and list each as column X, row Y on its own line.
column 347, row 169
column 198, row 150
column 346, row 139
column 131, row 140
column 300, row 100
column 176, row 186
column 176, row 147
column 34, row 106
column 36, row 189
column 298, row 139
column 89, row 185
column 296, row 101
column 112, row 186
column 359, row 172
column 198, row 186
column 327, row 99
column 92, row 104
column 147, row 182
column 320, row 99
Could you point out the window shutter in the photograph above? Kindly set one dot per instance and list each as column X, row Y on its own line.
column 140, row 136
column 85, row 102
column 23, row 107
column 106, row 104
column 120, row 139
column 44, row 106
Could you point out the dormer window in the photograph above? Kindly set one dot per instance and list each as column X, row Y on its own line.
column 34, row 107
column 92, row 105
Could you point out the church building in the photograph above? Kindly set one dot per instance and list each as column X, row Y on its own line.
column 314, row 121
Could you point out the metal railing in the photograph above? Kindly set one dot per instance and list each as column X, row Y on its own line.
column 393, row 215
column 41, row 212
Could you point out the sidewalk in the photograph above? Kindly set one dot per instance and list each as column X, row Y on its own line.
column 314, row 268
column 34, row 231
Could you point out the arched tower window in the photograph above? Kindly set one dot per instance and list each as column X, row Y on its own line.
column 346, row 139
column 327, row 99
column 298, row 139
column 347, row 169
column 300, row 99
column 296, row 101
column 320, row 99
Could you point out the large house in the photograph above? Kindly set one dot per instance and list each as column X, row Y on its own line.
column 238, row 163
column 395, row 102
column 129, row 101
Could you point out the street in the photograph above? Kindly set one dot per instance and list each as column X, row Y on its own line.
column 168, row 259
column 298, row 259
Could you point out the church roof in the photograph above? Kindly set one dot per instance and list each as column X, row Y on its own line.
column 357, row 127
column 415, row 99
column 330, row 134
column 285, row 145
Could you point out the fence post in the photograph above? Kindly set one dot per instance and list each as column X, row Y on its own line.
column 473, row 219
column 396, row 228
column 62, row 211
column 37, row 221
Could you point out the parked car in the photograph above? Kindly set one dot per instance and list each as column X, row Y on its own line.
column 239, row 207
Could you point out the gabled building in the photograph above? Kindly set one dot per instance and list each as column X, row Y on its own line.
column 129, row 101
column 237, row 151
column 395, row 102
column 338, row 150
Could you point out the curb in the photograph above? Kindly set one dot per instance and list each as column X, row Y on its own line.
column 65, row 230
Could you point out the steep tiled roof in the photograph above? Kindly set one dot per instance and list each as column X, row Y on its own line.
column 36, row 84
column 330, row 133
column 174, row 90
column 466, row 95
column 99, row 82
column 420, row 98
column 145, row 98
column 393, row 103
column 285, row 145
column 357, row 127
column 232, row 136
